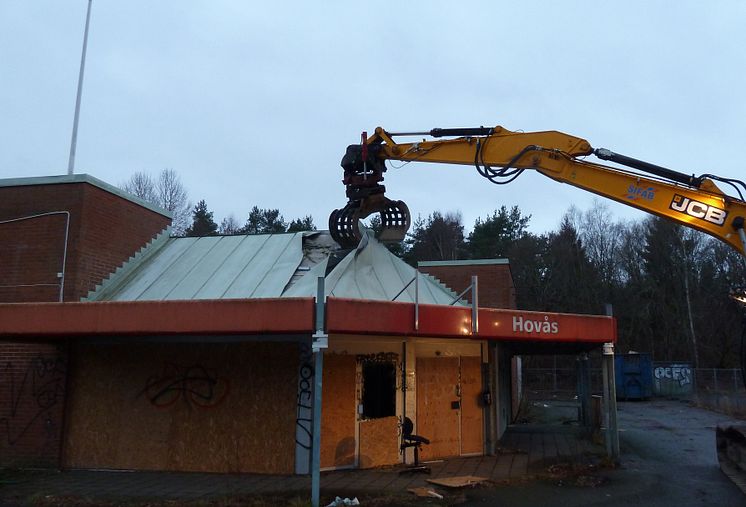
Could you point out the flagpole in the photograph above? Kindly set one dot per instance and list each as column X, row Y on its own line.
column 74, row 141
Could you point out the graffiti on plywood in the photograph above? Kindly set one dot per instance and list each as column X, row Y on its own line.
column 194, row 385
column 304, row 409
column 380, row 357
column 35, row 390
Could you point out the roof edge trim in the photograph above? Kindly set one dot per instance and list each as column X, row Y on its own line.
column 83, row 178
column 471, row 262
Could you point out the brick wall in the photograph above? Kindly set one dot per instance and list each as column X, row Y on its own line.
column 105, row 229
column 32, row 392
column 494, row 280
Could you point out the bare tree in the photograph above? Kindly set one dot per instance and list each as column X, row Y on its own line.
column 141, row 185
column 602, row 238
column 173, row 197
column 167, row 192
column 229, row 225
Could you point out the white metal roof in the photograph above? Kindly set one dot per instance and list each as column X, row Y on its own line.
column 265, row 266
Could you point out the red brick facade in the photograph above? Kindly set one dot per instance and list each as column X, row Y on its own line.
column 104, row 229
column 494, row 279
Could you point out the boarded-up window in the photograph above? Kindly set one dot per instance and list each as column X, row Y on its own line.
column 379, row 389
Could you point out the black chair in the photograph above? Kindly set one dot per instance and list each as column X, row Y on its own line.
column 410, row 440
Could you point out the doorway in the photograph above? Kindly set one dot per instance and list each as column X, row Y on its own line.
column 448, row 406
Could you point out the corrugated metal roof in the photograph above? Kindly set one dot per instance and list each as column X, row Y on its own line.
column 265, row 266
column 212, row 267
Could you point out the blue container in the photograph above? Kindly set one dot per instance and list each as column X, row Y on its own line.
column 634, row 376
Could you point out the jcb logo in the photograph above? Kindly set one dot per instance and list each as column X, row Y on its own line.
column 698, row 209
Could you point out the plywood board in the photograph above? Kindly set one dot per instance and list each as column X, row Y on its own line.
column 461, row 481
column 338, row 409
column 379, row 442
column 472, row 426
column 187, row 407
column 437, row 420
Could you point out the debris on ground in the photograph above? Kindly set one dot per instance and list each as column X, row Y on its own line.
column 339, row 502
column 573, row 474
column 460, row 481
column 426, row 492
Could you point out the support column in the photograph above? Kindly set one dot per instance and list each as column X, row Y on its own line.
column 610, row 409
column 320, row 342
column 488, row 390
column 410, row 403
column 502, row 402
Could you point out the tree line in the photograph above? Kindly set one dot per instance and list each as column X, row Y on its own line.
column 168, row 192
column 668, row 285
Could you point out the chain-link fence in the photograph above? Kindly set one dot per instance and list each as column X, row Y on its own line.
column 549, row 383
column 718, row 380
column 545, row 383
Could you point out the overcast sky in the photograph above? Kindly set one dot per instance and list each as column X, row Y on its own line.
column 253, row 103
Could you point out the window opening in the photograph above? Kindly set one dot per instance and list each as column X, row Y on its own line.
column 379, row 389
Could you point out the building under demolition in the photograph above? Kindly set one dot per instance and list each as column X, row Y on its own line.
column 124, row 348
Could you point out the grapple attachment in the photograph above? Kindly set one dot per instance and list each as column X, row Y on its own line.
column 395, row 220
column 363, row 174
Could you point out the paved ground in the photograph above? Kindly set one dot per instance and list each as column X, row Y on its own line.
column 668, row 458
column 523, row 452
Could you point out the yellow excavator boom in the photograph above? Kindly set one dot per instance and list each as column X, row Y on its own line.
column 501, row 155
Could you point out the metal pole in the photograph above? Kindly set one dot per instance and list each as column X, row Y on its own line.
column 74, row 141
column 474, row 305
column 320, row 342
column 417, row 299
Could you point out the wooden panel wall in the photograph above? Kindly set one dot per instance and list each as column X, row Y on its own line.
column 472, row 426
column 187, row 407
column 338, row 409
column 379, row 442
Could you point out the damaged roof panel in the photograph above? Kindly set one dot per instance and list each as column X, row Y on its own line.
column 267, row 266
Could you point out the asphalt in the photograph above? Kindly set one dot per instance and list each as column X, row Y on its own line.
column 668, row 458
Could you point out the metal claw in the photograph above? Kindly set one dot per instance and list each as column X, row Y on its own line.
column 395, row 220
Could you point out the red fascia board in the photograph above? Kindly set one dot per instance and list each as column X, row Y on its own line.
column 133, row 318
column 546, row 326
column 352, row 316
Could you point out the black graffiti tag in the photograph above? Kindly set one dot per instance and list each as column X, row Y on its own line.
column 303, row 419
column 42, row 386
column 195, row 385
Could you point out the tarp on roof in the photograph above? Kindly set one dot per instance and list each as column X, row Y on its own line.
column 266, row 266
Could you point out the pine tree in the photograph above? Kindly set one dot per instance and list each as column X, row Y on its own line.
column 493, row 236
column 202, row 222
column 302, row 224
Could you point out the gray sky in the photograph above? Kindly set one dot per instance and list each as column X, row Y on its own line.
column 254, row 103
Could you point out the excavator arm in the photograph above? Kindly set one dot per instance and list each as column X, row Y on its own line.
column 501, row 155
